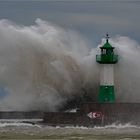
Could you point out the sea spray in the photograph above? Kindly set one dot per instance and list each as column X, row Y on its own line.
column 40, row 65
column 127, row 71
column 43, row 66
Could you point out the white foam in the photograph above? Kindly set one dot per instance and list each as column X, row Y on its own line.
column 21, row 122
column 112, row 126
column 72, row 110
column 118, row 126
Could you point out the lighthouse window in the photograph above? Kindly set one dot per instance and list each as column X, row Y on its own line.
column 103, row 51
column 109, row 51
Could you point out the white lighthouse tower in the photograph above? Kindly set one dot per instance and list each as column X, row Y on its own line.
column 107, row 59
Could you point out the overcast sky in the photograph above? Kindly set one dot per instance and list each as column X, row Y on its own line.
column 92, row 19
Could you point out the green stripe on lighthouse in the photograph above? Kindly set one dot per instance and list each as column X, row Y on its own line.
column 106, row 94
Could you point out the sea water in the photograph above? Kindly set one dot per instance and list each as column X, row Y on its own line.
column 33, row 129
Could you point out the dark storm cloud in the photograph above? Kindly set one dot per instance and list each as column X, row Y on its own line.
column 91, row 18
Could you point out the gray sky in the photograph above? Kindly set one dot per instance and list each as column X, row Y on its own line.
column 92, row 19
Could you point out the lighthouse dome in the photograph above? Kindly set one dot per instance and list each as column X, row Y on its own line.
column 107, row 46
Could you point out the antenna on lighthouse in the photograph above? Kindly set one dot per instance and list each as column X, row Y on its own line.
column 107, row 37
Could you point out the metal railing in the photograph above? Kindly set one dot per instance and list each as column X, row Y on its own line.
column 103, row 58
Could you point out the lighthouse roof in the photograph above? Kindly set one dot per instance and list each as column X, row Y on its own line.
column 107, row 44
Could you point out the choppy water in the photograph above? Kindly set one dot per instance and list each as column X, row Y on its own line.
column 23, row 129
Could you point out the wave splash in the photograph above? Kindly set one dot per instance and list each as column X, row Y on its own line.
column 43, row 66
column 40, row 65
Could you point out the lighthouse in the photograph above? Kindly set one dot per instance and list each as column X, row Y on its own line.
column 106, row 59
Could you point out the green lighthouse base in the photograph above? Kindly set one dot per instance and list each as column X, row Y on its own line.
column 106, row 94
